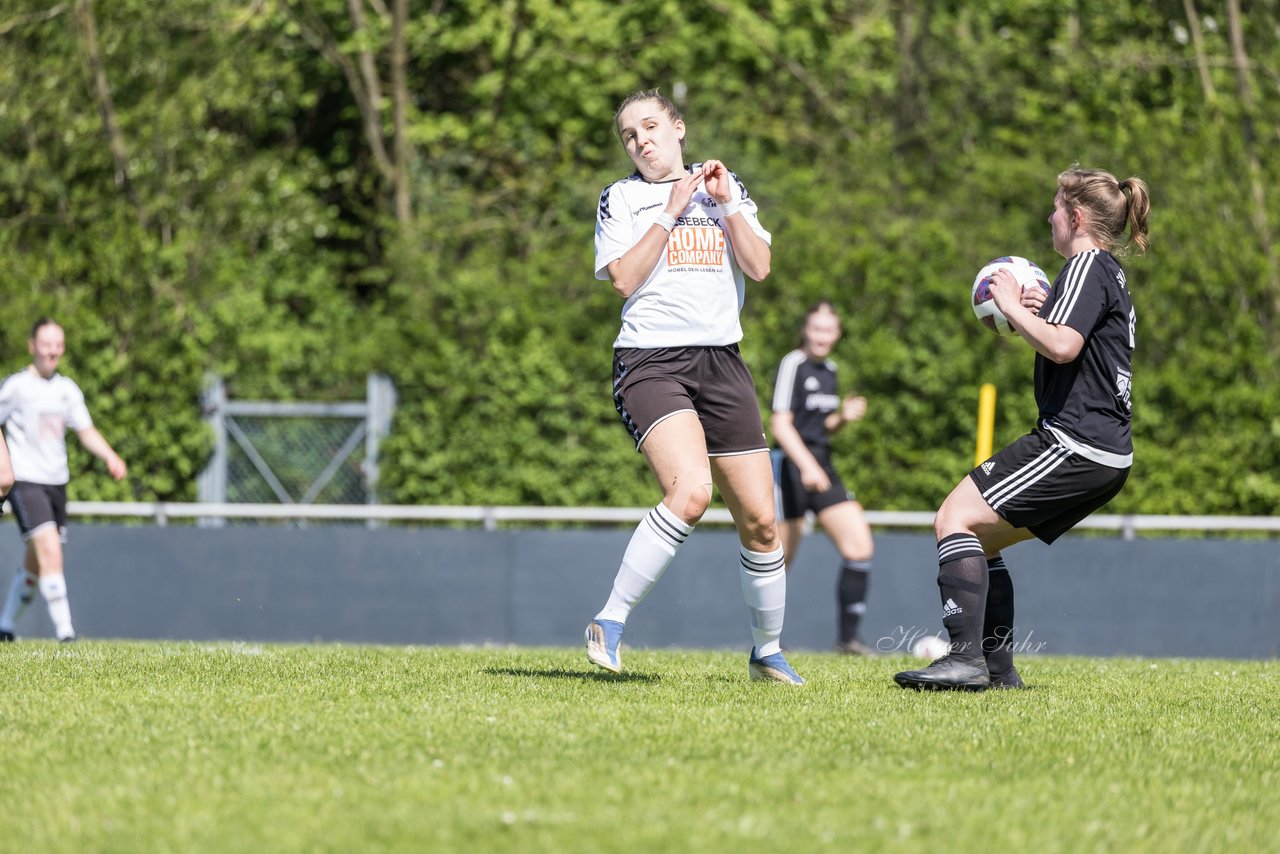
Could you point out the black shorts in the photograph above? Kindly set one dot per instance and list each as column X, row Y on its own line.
column 1039, row 484
column 37, row 506
column 650, row 386
column 796, row 500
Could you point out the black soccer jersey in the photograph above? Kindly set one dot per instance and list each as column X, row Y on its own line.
column 808, row 391
column 1087, row 403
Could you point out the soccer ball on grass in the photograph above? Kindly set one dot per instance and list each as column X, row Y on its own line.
column 930, row 648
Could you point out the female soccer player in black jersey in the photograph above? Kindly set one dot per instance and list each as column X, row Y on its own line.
column 807, row 409
column 675, row 240
column 1076, row 458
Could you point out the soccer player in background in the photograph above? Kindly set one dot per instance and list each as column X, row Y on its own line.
column 37, row 406
column 807, row 410
column 1078, row 455
column 674, row 240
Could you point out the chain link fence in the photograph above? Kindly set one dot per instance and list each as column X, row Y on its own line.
column 268, row 452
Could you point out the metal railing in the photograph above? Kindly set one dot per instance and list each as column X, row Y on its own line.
column 1126, row 525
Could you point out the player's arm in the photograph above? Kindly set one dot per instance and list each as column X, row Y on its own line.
column 629, row 272
column 752, row 252
column 96, row 445
column 1056, row 342
column 812, row 475
column 7, row 477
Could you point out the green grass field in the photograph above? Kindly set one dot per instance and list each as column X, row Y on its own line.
column 113, row 746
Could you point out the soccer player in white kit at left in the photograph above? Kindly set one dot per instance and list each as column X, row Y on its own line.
column 37, row 406
column 675, row 241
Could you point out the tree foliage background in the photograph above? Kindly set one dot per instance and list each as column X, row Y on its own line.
column 293, row 193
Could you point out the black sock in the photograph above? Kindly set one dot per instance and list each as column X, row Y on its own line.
column 962, row 581
column 851, row 594
column 997, row 628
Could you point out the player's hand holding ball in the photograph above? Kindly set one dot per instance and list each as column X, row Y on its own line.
column 1004, row 285
column 1006, row 290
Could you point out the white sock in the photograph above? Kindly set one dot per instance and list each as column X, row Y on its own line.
column 54, row 590
column 651, row 549
column 764, row 586
column 21, row 591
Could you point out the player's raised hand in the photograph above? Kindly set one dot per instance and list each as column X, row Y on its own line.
column 718, row 180
column 853, row 407
column 681, row 192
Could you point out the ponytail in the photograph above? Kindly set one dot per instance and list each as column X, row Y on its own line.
column 1110, row 207
column 1139, row 207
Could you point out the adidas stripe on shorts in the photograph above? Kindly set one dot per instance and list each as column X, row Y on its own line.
column 1039, row 484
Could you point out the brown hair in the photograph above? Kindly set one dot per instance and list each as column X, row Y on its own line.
column 1110, row 207
column 40, row 324
column 819, row 306
column 672, row 111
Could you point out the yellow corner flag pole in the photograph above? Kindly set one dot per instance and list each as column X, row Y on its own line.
column 986, row 422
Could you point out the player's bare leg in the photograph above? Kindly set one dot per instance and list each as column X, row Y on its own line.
column 746, row 483
column 791, row 532
column 44, row 553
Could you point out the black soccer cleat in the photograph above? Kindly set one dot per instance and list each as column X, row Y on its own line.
column 949, row 673
column 1007, row 680
column 7, row 637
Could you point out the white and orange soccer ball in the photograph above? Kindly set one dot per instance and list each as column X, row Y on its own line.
column 1028, row 274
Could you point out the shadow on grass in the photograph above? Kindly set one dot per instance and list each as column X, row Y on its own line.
column 561, row 673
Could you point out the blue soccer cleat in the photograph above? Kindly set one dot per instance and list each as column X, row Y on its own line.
column 773, row 668
column 604, row 637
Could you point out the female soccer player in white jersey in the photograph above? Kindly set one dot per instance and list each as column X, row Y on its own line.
column 37, row 406
column 1076, row 458
column 807, row 410
column 675, row 241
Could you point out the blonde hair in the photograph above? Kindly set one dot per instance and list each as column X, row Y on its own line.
column 1110, row 207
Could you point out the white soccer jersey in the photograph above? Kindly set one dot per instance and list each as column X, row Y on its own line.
column 694, row 294
column 37, row 414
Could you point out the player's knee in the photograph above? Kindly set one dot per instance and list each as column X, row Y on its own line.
column 761, row 527
column 690, row 496
column 691, row 504
column 943, row 526
column 955, row 521
column 694, row 506
column 947, row 521
column 858, row 552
